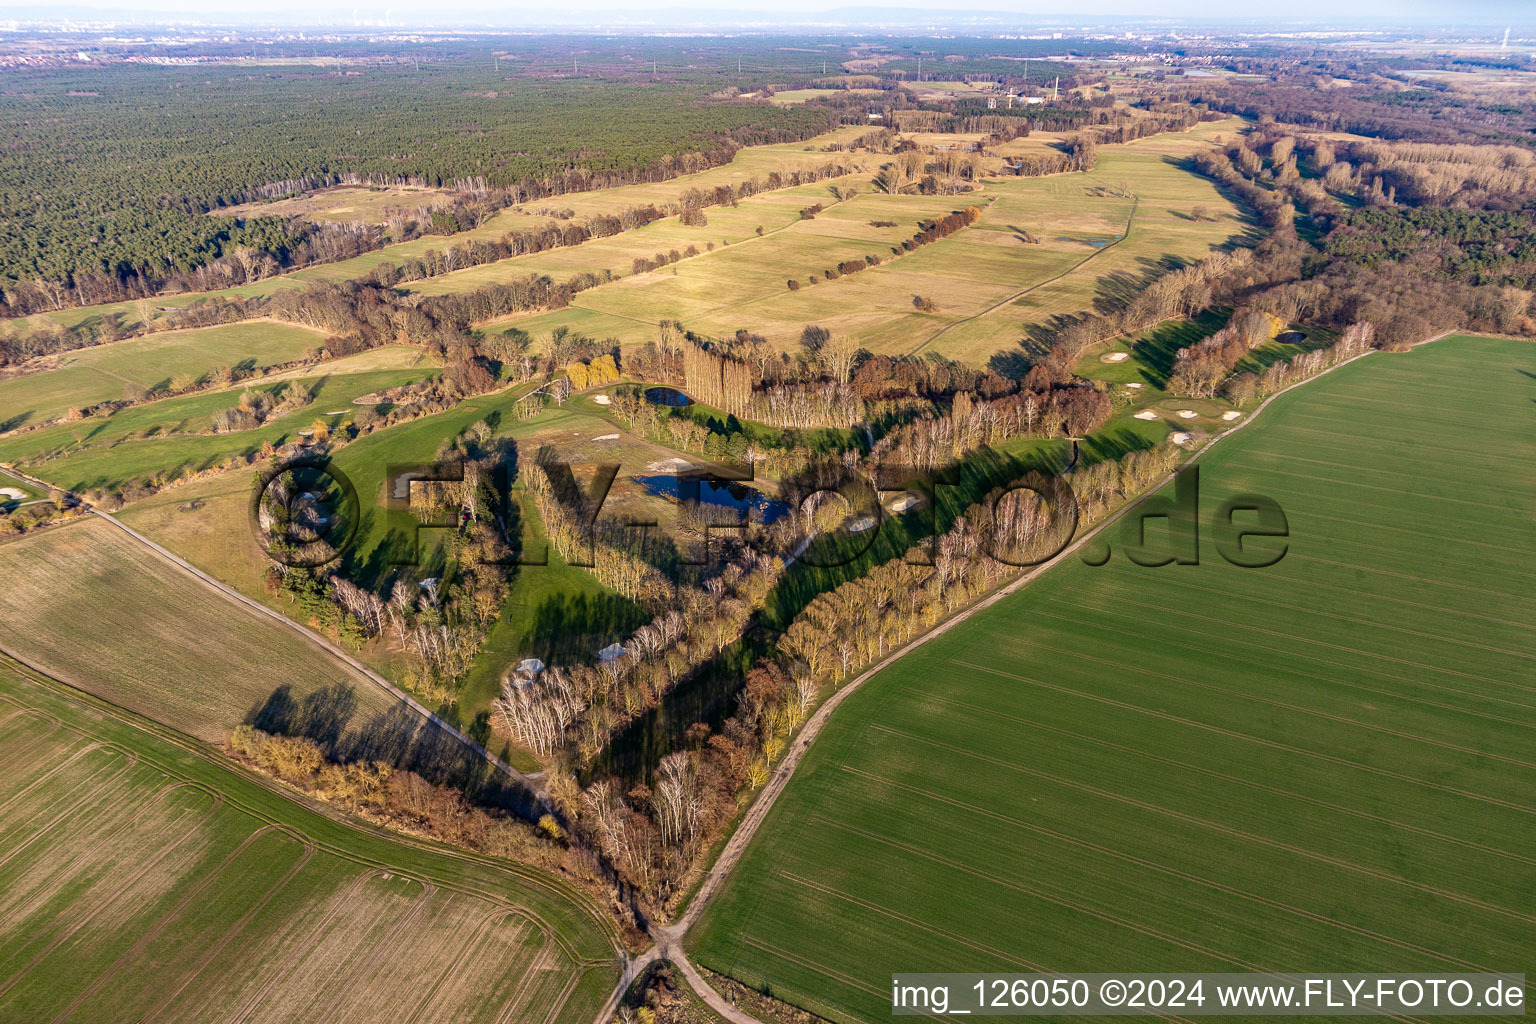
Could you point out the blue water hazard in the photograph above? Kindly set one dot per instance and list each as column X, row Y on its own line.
column 667, row 396
column 1291, row 337
column 1097, row 243
column 724, row 494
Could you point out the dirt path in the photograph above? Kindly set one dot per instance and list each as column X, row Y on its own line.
column 1101, row 250
column 324, row 644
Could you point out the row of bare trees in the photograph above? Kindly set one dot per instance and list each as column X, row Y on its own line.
column 932, row 441
column 572, row 711
column 1200, row 368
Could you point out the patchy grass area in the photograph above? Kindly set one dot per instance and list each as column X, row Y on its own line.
column 750, row 162
column 790, row 97
column 1099, row 236
column 989, row 285
column 161, row 440
column 344, row 204
column 99, row 374
column 142, row 880
column 207, row 523
column 1202, row 767
column 102, row 612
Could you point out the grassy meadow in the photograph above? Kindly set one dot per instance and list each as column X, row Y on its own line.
column 98, row 610
column 990, row 285
column 1328, row 761
column 160, row 440
column 142, row 880
column 750, row 162
column 90, row 375
column 1098, row 236
column 343, row 204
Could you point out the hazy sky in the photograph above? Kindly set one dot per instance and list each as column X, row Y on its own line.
column 604, row 13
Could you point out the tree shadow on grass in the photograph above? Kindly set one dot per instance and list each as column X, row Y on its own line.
column 1108, row 445
column 399, row 737
column 321, row 715
column 570, row 629
column 1158, row 347
column 1118, row 290
column 1253, row 229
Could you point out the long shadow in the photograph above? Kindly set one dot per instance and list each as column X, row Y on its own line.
column 569, row 629
column 1158, row 347
column 321, row 716
column 1253, row 229
column 1118, row 290
column 1106, row 445
column 709, row 695
column 399, row 737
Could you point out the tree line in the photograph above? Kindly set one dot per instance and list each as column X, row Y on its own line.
column 98, row 203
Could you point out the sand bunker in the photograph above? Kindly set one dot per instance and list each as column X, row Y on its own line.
column 670, row 466
column 1230, row 414
column 403, row 485
column 606, row 437
column 1187, row 414
column 1179, row 437
column 861, row 524
column 337, row 412
column 1146, row 414
column 905, row 502
column 12, row 494
column 602, row 399
column 1114, row 357
column 1133, row 384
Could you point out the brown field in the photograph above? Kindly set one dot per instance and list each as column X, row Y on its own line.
column 343, row 204
column 100, row 611
column 141, row 882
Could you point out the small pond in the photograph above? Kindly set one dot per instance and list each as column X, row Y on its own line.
column 667, row 396
column 1097, row 243
column 725, row 494
column 1291, row 337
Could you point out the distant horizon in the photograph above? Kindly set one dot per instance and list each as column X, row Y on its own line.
column 599, row 16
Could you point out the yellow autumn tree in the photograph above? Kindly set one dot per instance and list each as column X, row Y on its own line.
column 603, row 370
column 578, row 374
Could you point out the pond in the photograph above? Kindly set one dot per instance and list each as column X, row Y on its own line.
column 667, row 396
column 1097, row 243
column 1291, row 337
column 725, row 494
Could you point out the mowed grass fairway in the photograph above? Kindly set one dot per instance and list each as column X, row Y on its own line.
column 91, row 375
column 160, row 440
column 142, row 881
column 749, row 162
column 1099, row 237
column 1325, row 765
column 95, row 608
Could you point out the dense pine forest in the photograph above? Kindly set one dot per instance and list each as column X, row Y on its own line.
column 113, row 171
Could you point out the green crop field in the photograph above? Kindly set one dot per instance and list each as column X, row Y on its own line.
column 100, row 611
column 99, row 374
column 141, row 880
column 1202, row 768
